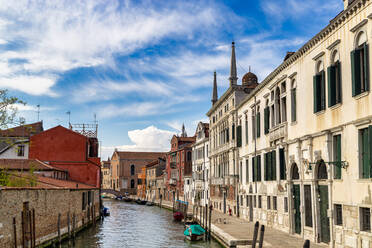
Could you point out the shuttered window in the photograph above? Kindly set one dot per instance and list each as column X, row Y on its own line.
column 338, row 214
column 319, row 91
column 239, row 136
column 360, row 70
column 256, row 168
column 283, row 171
column 258, row 125
column 233, row 131
column 246, row 171
column 337, row 156
column 293, row 102
column 334, row 84
column 270, row 166
column 308, row 206
column 365, row 151
column 365, row 219
column 268, row 203
column 266, row 120
column 246, row 130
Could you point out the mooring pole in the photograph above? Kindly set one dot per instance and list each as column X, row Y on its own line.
column 23, row 229
column 261, row 236
column 255, row 234
column 33, row 228
column 210, row 222
column 59, row 228
column 15, row 232
column 68, row 225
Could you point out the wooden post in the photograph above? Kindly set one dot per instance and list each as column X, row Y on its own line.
column 206, row 221
column 15, row 232
column 307, row 244
column 255, row 234
column 73, row 225
column 29, row 216
column 68, row 225
column 210, row 222
column 23, row 229
column 200, row 215
column 261, row 236
column 33, row 228
column 59, row 228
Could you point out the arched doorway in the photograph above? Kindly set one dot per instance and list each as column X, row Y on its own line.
column 296, row 197
column 321, row 174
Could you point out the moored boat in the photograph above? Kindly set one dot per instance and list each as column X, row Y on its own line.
column 105, row 211
column 194, row 232
column 127, row 199
column 178, row 216
column 149, row 203
column 141, row 202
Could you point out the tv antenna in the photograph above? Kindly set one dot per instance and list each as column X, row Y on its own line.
column 38, row 112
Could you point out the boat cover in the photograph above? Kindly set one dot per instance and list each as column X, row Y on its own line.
column 195, row 229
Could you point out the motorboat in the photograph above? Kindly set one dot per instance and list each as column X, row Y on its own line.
column 194, row 233
column 178, row 216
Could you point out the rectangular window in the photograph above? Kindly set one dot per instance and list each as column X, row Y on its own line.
column 266, row 120
column 270, row 166
column 246, row 130
column 319, row 91
column 239, row 136
column 365, row 219
column 233, row 131
column 334, row 84
column 275, row 205
column 365, row 151
column 337, row 156
column 286, row 204
column 359, row 70
column 338, row 214
column 256, row 167
column 84, row 201
column 246, row 171
column 268, row 203
column 293, row 102
column 259, row 201
column 284, row 109
column 258, row 125
column 254, row 201
column 283, row 171
column 308, row 206
column 21, row 151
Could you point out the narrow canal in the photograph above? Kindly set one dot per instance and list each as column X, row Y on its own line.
column 132, row 225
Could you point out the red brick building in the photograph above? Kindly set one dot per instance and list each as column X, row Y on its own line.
column 70, row 151
column 179, row 164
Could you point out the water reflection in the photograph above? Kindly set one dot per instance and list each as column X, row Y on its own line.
column 132, row 225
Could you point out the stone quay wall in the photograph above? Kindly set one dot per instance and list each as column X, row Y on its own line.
column 48, row 205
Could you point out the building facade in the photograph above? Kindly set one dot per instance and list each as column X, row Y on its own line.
column 305, row 156
column 179, row 165
column 223, row 133
column 125, row 166
column 154, row 170
column 106, row 174
column 200, row 166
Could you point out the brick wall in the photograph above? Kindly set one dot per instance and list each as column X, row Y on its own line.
column 48, row 203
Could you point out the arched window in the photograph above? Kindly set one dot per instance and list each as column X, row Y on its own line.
column 132, row 183
column 334, row 79
column 293, row 101
column 295, row 175
column 277, row 106
column 188, row 156
column 322, row 170
column 319, row 87
column 132, row 170
column 359, row 65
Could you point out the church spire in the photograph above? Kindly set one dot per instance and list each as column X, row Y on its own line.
column 183, row 134
column 215, row 94
column 233, row 74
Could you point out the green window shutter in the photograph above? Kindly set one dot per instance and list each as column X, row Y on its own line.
column 365, row 154
column 254, row 171
column 329, row 85
column 258, row 159
column 366, row 67
column 370, row 150
column 293, row 101
column 269, row 167
column 228, row 134
column 273, row 161
column 282, row 164
column 265, row 167
column 331, row 72
column 339, row 82
column 322, row 91
column 337, row 157
column 355, row 71
column 258, row 119
column 233, row 131
column 266, row 120
column 315, row 94
column 239, row 136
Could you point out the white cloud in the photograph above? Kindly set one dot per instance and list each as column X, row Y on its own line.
column 63, row 35
column 149, row 139
column 33, row 85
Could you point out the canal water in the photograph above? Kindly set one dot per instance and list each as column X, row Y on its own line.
column 132, row 225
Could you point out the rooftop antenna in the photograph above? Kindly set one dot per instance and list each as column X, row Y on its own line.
column 249, row 68
column 69, row 117
column 95, row 118
column 38, row 112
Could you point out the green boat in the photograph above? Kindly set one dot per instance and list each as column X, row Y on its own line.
column 194, row 232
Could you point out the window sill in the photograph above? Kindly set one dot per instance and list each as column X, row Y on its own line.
column 320, row 112
column 336, row 106
column 361, row 95
column 293, row 123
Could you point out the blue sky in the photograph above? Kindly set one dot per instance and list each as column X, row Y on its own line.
column 143, row 67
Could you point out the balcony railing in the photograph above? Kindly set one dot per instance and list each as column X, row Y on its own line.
column 278, row 132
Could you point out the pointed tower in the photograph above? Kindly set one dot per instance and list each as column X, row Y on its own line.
column 233, row 74
column 183, row 134
column 215, row 94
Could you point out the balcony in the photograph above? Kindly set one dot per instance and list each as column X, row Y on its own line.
column 217, row 181
column 279, row 132
column 172, row 181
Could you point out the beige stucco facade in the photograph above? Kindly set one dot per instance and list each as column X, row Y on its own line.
column 305, row 141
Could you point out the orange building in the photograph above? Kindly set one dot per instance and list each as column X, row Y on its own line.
column 141, row 184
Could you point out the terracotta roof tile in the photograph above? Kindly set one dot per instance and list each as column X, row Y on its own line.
column 25, row 164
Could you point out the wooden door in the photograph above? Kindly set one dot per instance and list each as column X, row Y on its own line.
column 323, row 208
column 296, row 208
